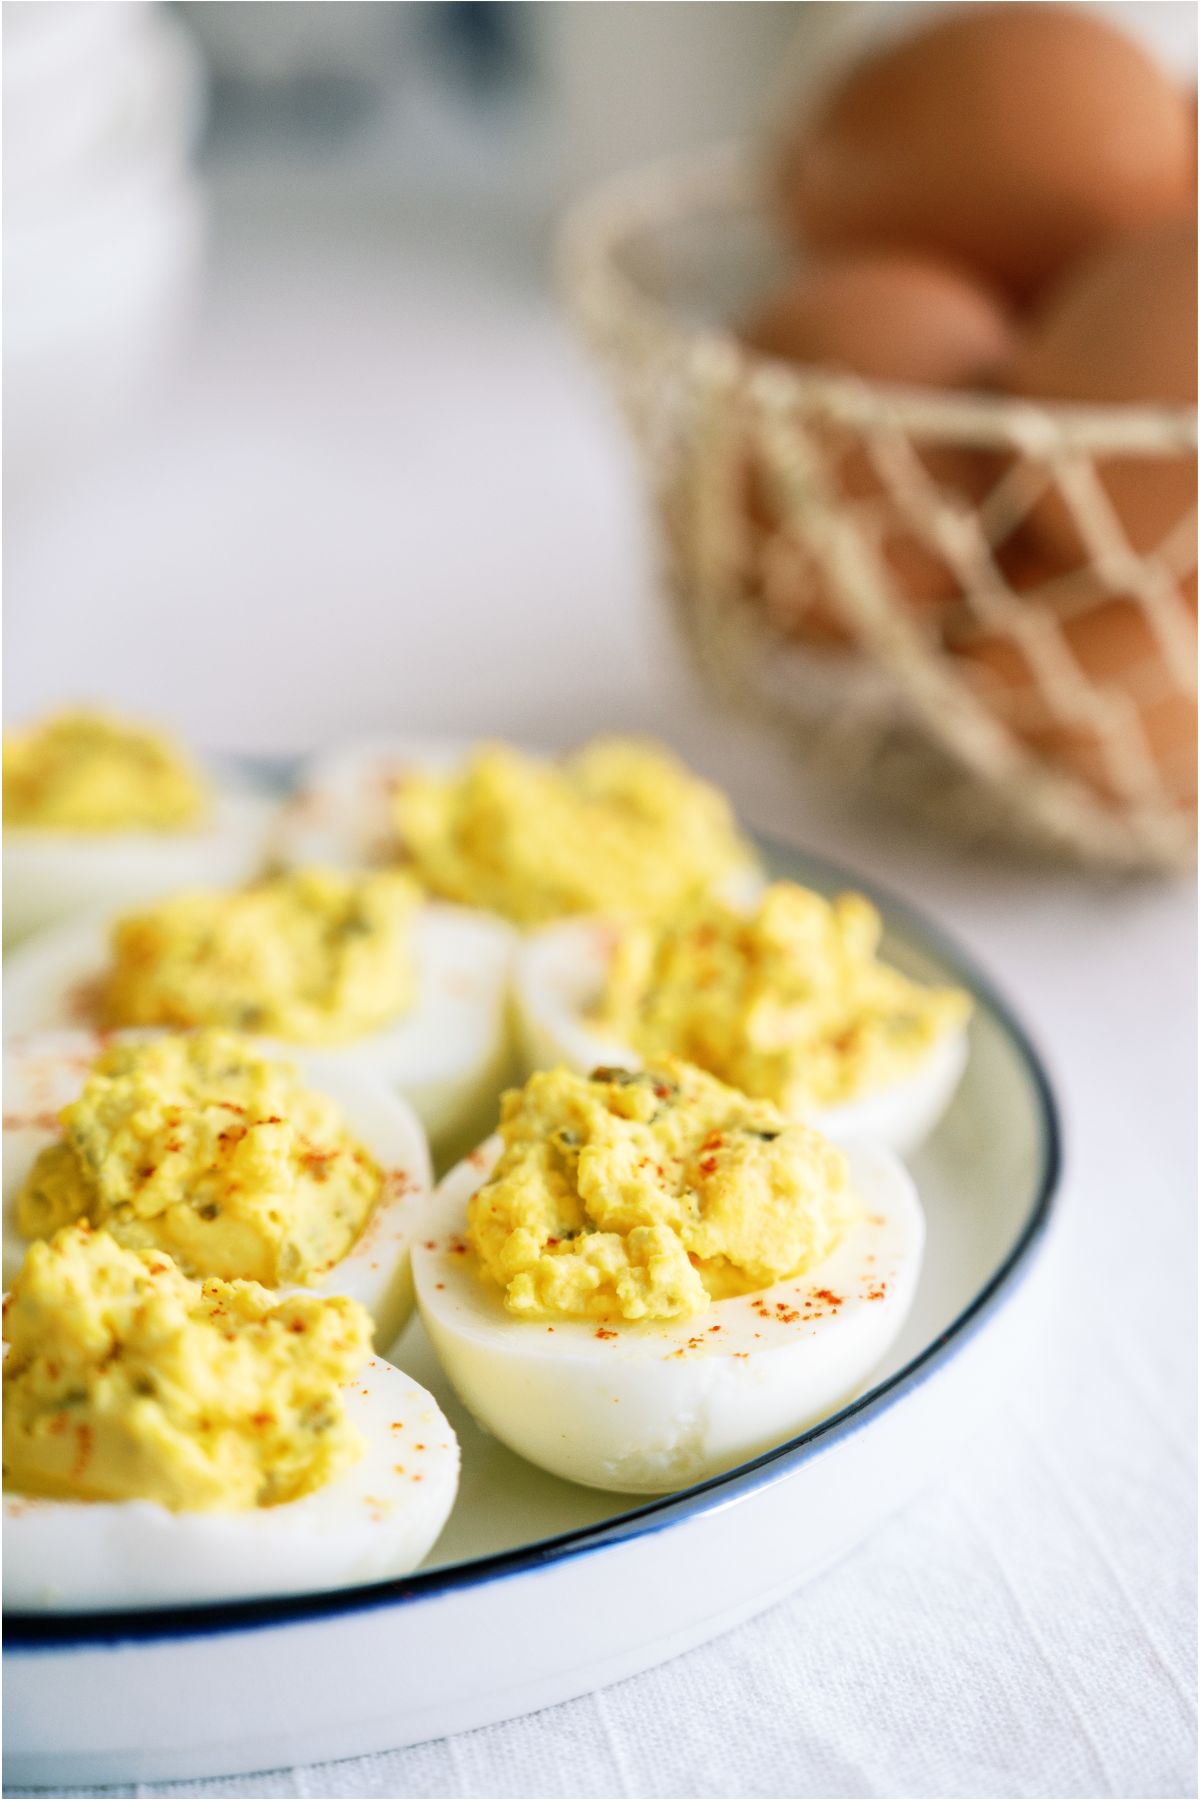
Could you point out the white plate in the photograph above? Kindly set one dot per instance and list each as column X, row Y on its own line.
column 538, row 1590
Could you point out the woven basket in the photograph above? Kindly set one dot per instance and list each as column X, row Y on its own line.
column 803, row 515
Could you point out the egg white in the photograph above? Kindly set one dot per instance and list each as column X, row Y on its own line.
column 50, row 875
column 44, row 1073
column 375, row 1520
column 558, row 976
column 449, row 1054
column 649, row 1408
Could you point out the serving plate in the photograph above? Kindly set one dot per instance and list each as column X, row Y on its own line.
column 539, row 1590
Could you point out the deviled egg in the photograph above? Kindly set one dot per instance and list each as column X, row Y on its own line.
column 648, row 1278
column 354, row 968
column 100, row 812
column 787, row 1000
column 200, row 1146
column 167, row 1442
column 618, row 826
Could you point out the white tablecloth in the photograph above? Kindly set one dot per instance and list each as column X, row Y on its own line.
column 387, row 493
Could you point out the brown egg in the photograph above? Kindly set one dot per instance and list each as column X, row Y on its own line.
column 1122, row 328
column 1116, row 654
column 1011, row 138
column 889, row 317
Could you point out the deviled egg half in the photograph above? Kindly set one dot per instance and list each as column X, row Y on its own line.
column 648, row 1278
column 351, row 968
column 618, row 826
column 100, row 812
column 168, row 1441
column 199, row 1146
column 787, row 1000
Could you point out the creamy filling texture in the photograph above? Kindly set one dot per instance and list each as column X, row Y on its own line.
column 617, row 827
column 646, row 1196
column 126, row 1380
column 789, row 1002
column 316, row 956
column 201, row 1146
column 87, row 771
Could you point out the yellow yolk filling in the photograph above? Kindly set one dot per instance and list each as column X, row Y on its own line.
column 314, row 957
column 202, row 1147
column 789, row 1003
column 617, row 827
column 125, row 1380
column 85, row 771
column 646, row 1196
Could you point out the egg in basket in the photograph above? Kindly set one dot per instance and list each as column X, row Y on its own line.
column 915, row 391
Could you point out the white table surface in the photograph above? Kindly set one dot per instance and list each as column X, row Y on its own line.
column 387, row 492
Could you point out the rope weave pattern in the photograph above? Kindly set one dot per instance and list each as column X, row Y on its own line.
column 841, row 555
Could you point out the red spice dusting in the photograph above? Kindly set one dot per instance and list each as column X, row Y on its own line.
column 661, row 1091
column 552, row 1243
column 459, row 1249
column 441, row 1286
column 83, row 1450
column 146, row 1173
column 830, row 1299
column 603, row 1332
column 417, row 1478
column 397, row 1424
column 477, row 1158
column 298, row 1325
column 262, row 1418
column 708, row 1165
column 877, row 1293
column 58, row 1424
column 429, row 1244
column 418, row 1446
column 714, row 1328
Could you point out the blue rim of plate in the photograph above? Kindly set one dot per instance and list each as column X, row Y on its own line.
column 66, row 1631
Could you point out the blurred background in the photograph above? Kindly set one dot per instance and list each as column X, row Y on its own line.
column 299, row 442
